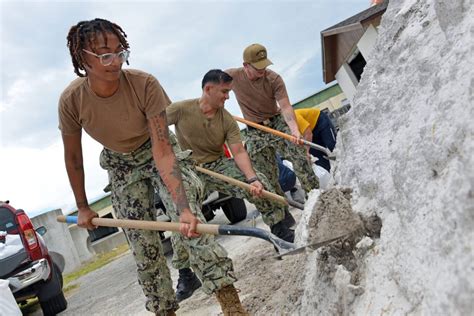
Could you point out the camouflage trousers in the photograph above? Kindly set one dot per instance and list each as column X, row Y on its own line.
column 263, row 146
column 134, row 178
column 272, row 212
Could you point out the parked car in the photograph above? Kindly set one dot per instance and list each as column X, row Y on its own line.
column 26, row 262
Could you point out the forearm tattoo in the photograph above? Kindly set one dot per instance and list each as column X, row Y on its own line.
column 170, row 174
column 179, row 192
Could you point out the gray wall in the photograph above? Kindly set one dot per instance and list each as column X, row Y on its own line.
column 58, row 239
column 81, row 239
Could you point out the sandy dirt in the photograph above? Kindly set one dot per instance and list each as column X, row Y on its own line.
column 276, row 287
column 266, row 285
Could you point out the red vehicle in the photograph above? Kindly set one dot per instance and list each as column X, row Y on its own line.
column 26, row 263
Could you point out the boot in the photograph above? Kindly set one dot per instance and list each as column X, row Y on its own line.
column 282, row 231
column 187, row 284
column 169, row 312
column 230, row 302
column 289, row 220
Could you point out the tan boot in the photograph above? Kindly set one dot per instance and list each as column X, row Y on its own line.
column 168, row 312
column 230, row 302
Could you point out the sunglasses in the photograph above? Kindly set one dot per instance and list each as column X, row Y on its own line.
column 256, row 69
column 108, row 58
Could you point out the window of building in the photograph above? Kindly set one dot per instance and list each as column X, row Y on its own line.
column 102, row 231
column 357, row 65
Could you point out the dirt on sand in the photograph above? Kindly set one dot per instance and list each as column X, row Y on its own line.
column 266, row 285
column 275, row 287
column 333, row 216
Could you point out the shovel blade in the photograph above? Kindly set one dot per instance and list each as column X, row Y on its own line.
column 279, row 244
column 313, row 246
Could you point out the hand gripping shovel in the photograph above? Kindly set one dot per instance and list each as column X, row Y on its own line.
column 329, row 154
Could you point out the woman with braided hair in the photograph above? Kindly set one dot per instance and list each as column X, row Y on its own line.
column 124, row 110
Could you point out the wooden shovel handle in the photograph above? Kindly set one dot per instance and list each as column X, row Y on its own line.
column 148, row 225
column 242, row 185
column 266, row 129
column 286, row 136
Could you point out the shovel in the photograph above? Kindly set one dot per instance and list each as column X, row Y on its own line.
column 283, row 247
column 280, row 245
column 245, row 186
column 329, row 154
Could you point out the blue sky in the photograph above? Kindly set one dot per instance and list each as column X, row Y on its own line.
column 176, row 41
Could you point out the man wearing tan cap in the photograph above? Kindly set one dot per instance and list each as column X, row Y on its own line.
column 262, row 97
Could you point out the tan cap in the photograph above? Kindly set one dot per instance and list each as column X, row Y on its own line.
column 256, row 55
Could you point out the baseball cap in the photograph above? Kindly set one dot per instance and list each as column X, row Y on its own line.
column 256, row 55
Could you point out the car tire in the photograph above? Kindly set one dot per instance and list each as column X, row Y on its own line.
column 57, row 303
column 54, row 305
column 235, row 210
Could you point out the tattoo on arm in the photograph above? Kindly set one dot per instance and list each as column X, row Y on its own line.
column 181, row 199
column 166, row 163
column 161, row 127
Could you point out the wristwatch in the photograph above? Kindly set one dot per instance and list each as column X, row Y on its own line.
column 251, row 180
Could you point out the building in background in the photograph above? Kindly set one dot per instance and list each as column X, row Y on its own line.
column 78, row 245
column 347, row 46
column 330, row 99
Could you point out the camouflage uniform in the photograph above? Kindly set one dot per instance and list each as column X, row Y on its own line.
column 133, row 178
column 263, row 146
column 272, row 212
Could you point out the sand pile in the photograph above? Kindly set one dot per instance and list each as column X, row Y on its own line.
column 406, row 149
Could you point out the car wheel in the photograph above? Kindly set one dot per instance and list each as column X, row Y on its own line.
column 57, row 303
column 235, row 210
column 54, row 305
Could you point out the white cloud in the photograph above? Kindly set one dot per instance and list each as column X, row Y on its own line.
column 29, row 107
column 36, row 179
column 14, row 95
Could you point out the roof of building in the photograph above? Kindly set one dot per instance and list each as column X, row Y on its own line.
column 319, row 96
column 338, row 41
column 359, row 17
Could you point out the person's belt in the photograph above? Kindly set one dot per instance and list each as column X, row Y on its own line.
column 133, row 151
column 265, row 123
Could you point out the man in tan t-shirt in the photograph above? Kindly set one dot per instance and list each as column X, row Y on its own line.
column 203, row 125
column 262, row 97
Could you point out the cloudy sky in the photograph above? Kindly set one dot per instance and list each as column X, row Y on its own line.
column 176, row 41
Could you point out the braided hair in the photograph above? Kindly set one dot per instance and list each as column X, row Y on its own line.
column 84, row 33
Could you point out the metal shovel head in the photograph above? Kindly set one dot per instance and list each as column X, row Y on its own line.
column 313, row 246
column 279, row 244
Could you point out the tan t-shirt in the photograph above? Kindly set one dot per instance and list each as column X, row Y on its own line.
column 258, row 99
column 118, row 122
column 204, row 136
